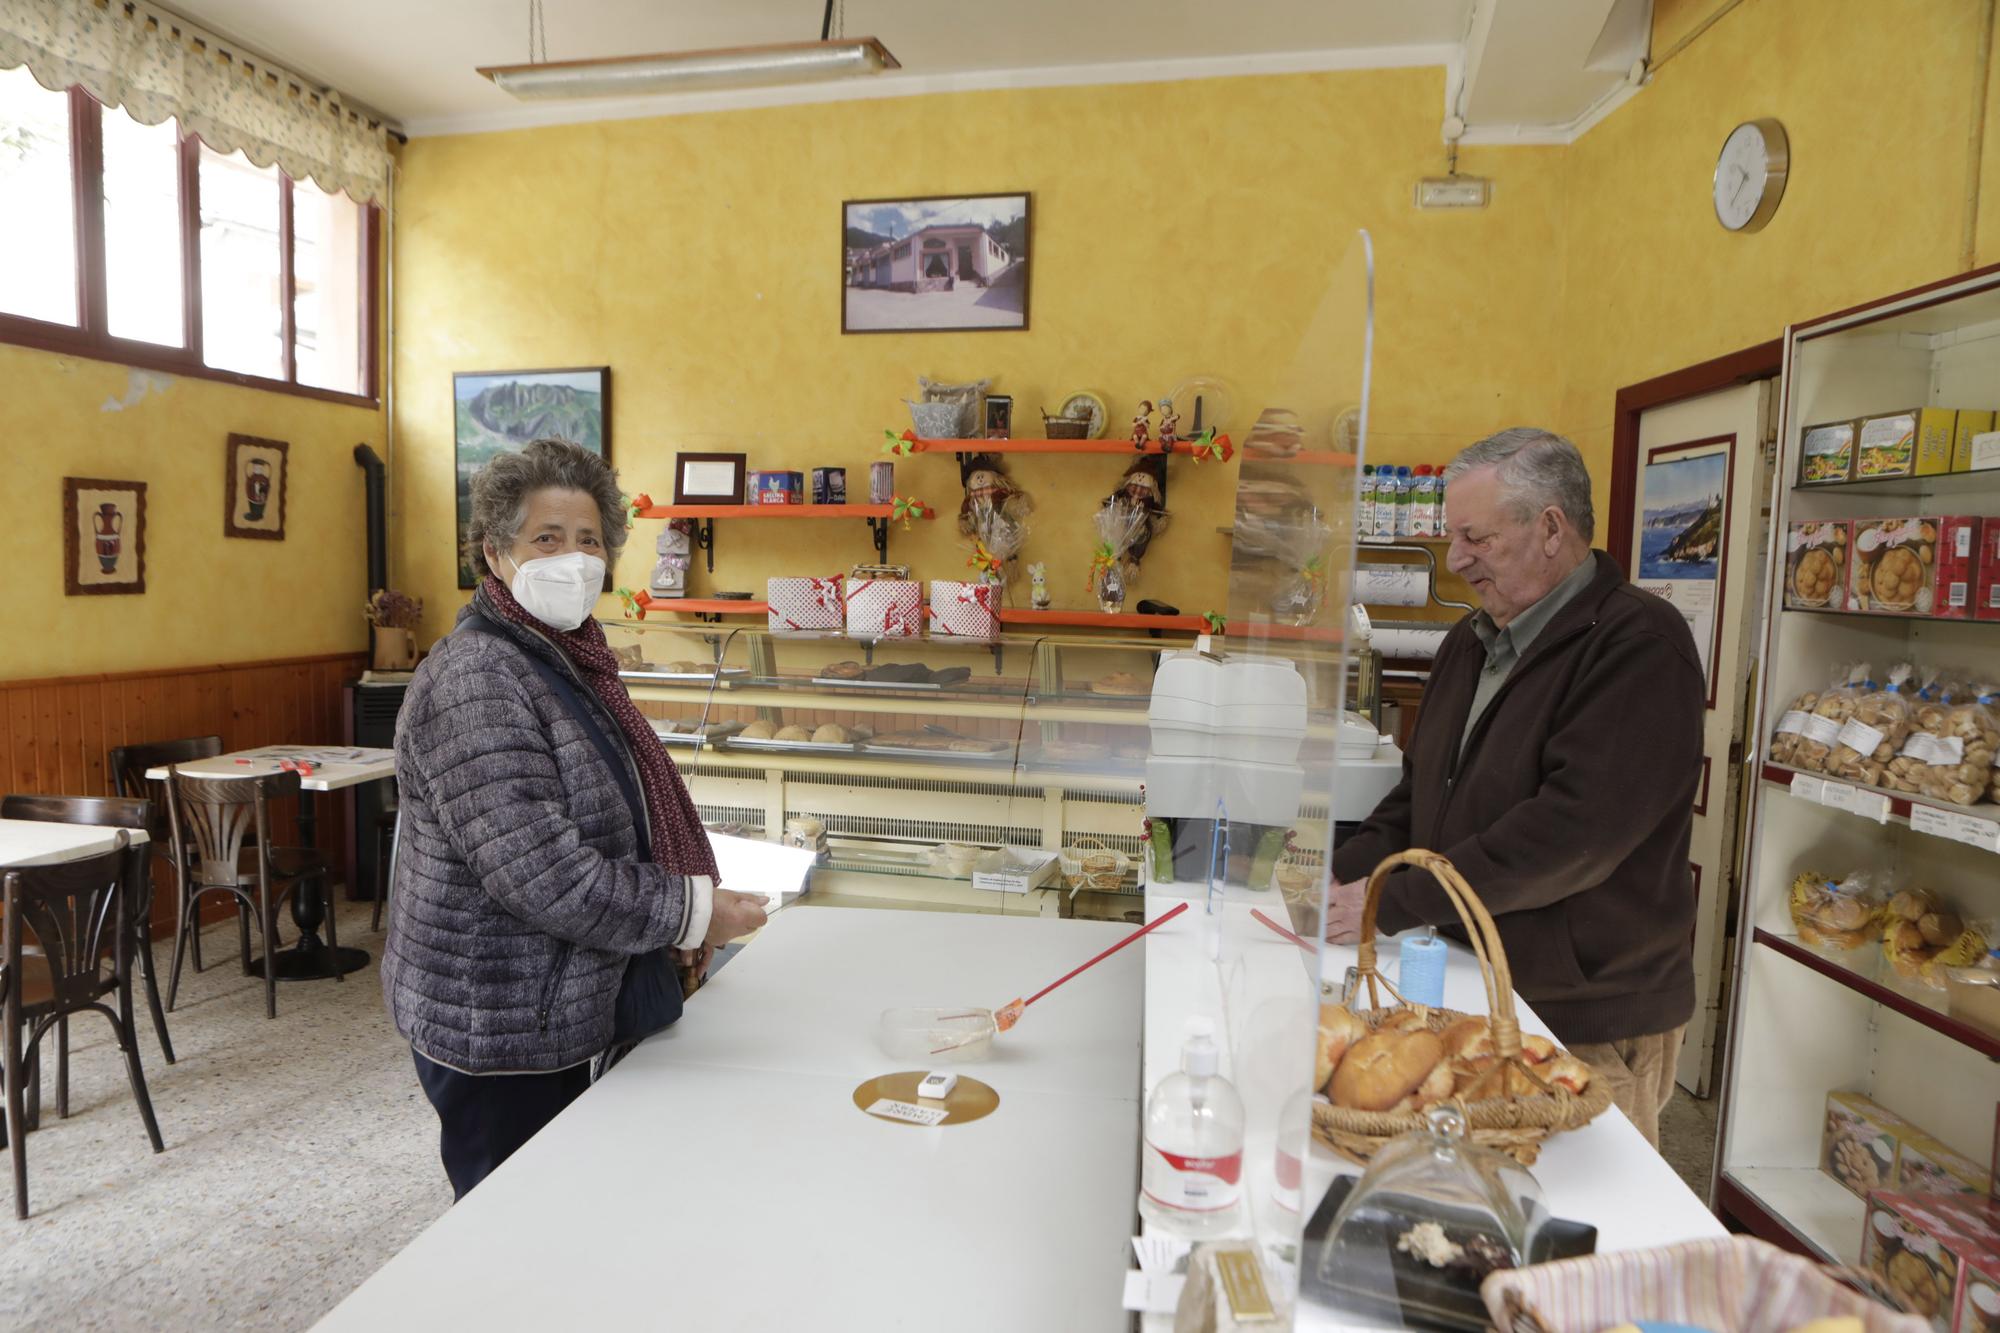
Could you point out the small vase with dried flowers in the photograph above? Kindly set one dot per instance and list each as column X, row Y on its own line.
column 393, row 615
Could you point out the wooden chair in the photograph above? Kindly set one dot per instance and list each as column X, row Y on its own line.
column 128, row 764
column 105, row 812
column 213, row 820
column 69, row 908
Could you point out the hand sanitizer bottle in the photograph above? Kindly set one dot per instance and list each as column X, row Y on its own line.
column 1191, row 1178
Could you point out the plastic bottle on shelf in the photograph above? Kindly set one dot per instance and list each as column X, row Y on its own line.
column 1405, row 494
column 1423, row 503
column 1384, row 527
column 1191, row 1180
column 1364, row 505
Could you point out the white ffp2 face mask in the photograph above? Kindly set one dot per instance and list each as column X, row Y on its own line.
column 559, row 590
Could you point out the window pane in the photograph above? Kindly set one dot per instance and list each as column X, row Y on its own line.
column 327, row 267
column 37, row 213
column 241, row 317
column 142, row 229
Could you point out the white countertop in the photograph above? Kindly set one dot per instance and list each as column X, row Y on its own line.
column 722, row 1178
column 35, row 842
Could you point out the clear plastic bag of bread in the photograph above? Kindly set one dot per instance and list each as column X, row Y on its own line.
column 1790, row 726
column 1922, row 936
column 1820, row 731
column 1839, row 915
column 1962, row 757
column 1930, row 711
column 1875, row 730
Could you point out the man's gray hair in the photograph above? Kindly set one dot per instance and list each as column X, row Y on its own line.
column 1537, row 468
column 500, row 492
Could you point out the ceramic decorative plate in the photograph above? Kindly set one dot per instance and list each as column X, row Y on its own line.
column 1086, row 404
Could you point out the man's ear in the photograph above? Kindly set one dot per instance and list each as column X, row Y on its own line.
column 1552, row 530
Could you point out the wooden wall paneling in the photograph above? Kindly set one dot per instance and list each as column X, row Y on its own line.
column 48, row 754
column 21, row 758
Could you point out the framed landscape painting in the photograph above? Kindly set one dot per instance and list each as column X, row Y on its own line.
column 932, row 265
column 500, row 411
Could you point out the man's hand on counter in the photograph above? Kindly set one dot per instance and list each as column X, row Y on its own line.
column 1343, row 912
column 734, row 915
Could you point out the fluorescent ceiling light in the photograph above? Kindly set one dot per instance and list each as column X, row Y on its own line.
column 736, row 67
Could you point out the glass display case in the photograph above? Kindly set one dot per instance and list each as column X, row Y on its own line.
column 916, row 758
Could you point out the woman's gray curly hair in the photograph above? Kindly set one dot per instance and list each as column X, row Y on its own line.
column 500, row 492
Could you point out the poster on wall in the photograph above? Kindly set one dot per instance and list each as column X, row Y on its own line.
column 1683, row 526
column 501, row 411
column 104, row 536
column 255, row 491
column 931, row 265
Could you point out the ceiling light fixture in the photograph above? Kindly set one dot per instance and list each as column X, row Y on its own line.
column 832, row 57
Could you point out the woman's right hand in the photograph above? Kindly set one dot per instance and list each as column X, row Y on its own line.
column 734, row 915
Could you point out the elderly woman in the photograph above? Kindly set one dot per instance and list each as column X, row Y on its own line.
column 550, row 858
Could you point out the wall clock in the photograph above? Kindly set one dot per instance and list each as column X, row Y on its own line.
column 1750, row 174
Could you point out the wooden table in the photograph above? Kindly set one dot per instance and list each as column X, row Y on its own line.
column 723, row 1178
column 35, row 842
column 332, row 768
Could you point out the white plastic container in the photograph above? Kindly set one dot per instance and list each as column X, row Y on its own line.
column 1191, row 1179
column 1364, row 505
column 1261, row 793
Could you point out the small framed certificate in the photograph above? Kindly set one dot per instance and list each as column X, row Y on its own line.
column 708, row 479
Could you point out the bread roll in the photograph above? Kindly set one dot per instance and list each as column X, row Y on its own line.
column 1407, row 1020
column 757, row 731
column 1566, row 1071
column 1383, row 1068
column 1913, row 904
column 1538, row 1050
column 794, row 732
column 1338, row 1030
column 1467, row 1039
column 1436, row 1087
column 830, row 733
column 1940, row 928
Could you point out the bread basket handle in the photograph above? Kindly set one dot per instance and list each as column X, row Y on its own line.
column 1479, row 929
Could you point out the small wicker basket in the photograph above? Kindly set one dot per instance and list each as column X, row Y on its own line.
column 1066, row 428
column 1099, row 868
column 1514, row 1124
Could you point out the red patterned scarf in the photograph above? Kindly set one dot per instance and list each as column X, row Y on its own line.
column 679, row 842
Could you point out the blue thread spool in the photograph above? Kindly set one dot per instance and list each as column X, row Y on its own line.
column 1421, row 978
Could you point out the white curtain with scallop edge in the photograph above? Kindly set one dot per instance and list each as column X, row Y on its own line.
column 156, row 66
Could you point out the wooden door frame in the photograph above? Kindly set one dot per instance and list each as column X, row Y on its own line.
column 1764, row 361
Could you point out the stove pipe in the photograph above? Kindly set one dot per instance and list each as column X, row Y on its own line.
column 378, row 523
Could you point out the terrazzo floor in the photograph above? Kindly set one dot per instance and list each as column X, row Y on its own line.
column 300, row 1156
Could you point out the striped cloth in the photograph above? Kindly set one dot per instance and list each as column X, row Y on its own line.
column 1733, row 1285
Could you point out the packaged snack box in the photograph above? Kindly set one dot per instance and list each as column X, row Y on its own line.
column 967, row 609
column 1986, row 573
column 779, row 488
column 889, row 608
column 1886, row 446
column 1858, row 1147
column 829, row 485
column 1926, row 1166
column 1929, row 1251
column 1971, row 423
column 1826, row 453
column 881, row 483
column 1816, row 564
column 1913, row 566
column 1936, row 427
column 806, row 603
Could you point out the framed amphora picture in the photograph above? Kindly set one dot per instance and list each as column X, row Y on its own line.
column 501, row 411
column 255, row 488
column 104, row 536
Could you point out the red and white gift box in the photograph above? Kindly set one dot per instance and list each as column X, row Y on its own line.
column 966, row 609
column 889, row 608
column 806, row 603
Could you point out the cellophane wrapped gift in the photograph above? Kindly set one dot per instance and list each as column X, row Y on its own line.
column 966, row 609
column 891, row 608
column 806, row 603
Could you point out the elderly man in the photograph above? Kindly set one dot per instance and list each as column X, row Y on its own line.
column 1555, row 764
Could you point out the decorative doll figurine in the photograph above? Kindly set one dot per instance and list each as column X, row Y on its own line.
column 995, row 511
column 1170, row 426
column 670, row 572
column 1038, row 586
column 1142, row 424
column 1144, row 488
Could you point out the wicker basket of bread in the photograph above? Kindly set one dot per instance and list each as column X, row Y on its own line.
column 1381, row 1067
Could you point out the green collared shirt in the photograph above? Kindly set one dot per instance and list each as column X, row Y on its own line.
column 1506, row 647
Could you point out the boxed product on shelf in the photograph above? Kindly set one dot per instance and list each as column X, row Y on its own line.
column 1886, row 446
column 1971, row 424
column 829, row 486
column 1929, row 1250
column 807, row 603
column 964, row 609
column 776, row 488
column 1936, row 428
column 1858, row 1147
column 881, row 482
column 1826, row 453
column 1982, row 452
column 1916, row 566
column 892, row 608
column 1925, row 1166
column 1986, row 574
column 1816, row 564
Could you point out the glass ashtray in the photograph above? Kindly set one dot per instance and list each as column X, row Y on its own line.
column 937, row 1035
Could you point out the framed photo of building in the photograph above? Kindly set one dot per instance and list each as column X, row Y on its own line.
column 104, row 536
column 500, row 411
column 952, row 263
column 254, row 491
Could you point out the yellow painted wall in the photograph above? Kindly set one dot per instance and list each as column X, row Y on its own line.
column 209, row 598
column 1178, row 229
column 1878, row 98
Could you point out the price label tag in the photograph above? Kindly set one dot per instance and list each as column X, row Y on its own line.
column 1976, row 832
column 1937, row 823
column 890, row 1109
column 1838, row 795
column 1807, row 787
column 1870, row 804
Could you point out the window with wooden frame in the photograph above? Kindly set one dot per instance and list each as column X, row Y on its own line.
column 139, row 244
